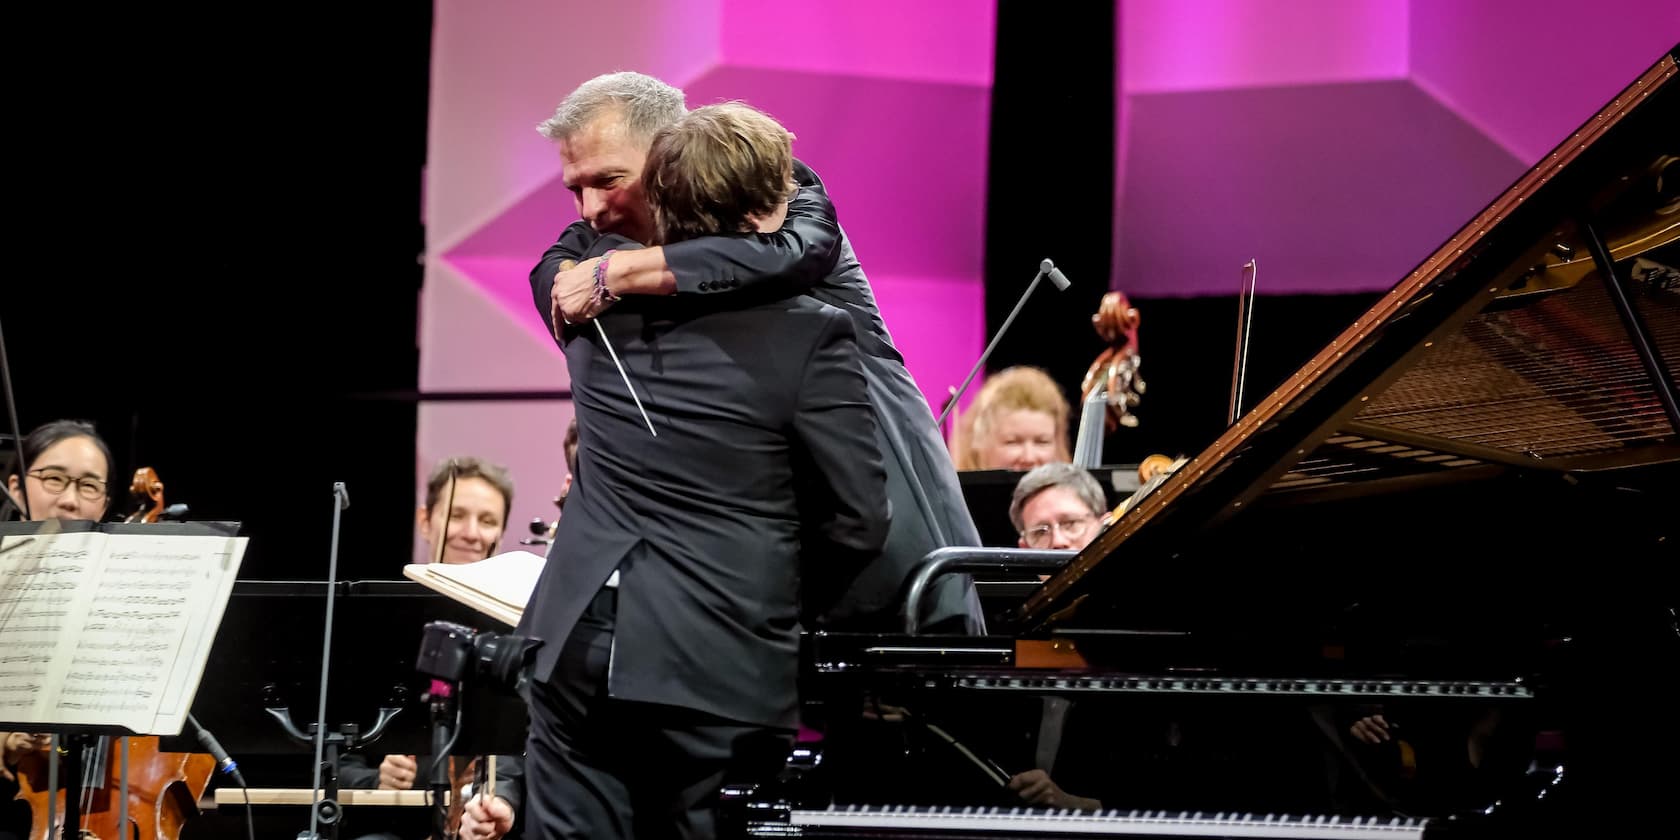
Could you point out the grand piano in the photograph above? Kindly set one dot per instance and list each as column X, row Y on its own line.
column 1459, row 519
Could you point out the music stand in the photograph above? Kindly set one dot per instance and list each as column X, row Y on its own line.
column 87, row 575
column 267, row 657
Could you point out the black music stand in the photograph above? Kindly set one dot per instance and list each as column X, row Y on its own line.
column 265, row 665
column 75, row 737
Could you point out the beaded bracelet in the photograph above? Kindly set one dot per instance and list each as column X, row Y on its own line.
column 603, row 295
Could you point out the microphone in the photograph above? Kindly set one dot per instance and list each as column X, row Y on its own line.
column 1046, row 268
column 176, row 512
column 224, row 762
column 1055, row 274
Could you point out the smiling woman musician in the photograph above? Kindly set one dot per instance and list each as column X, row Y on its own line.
column 462, row 519
column 63, row 474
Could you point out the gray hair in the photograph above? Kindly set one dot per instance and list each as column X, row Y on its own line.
column 1045, row 476
column 646, row 105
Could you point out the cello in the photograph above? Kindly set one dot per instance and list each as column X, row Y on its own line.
column 163, row 787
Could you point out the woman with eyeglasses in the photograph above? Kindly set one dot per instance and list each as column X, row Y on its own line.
column 65, row 474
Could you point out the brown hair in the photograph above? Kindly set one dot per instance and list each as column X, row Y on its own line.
column 1012, row 389
column 467, row 466
column 715, row 168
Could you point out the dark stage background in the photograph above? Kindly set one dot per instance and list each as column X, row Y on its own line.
column 220, row 239
column 240, row 214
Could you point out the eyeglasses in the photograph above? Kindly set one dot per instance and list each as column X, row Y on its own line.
column 55, row 482
column 1073, row 528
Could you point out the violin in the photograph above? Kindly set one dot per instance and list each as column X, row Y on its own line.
column 542, row 530
column 163, row 787
column 1112, row 386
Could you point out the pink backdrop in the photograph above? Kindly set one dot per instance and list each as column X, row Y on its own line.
column 863, row 97
column 1336, row 141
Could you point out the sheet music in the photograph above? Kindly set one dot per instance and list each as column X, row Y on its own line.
column 176, row 587
column 126, row 646
column 39, row 579
column 497, row 586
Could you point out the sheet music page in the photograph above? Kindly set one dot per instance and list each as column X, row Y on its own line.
column 509, row 577
column 114, row 629
column 40, row 578
column 498, row 586
column 207, row 567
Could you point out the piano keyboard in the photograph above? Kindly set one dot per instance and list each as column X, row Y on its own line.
column 1378, row 689
column 864, row 821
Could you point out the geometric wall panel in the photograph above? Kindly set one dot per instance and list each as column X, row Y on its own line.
column 1323, row 203
column 1529, row 72
column 1341, row 142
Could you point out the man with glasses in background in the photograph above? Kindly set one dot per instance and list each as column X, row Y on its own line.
column 1057, row 506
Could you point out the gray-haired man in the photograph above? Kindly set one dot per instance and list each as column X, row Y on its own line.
column 1057, row 506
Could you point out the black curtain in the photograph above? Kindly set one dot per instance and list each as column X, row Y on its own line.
column 218, row 253
column 1050, row 182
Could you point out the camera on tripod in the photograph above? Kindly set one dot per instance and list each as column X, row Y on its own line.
column 456, row 653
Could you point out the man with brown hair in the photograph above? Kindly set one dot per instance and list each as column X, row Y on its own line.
column 721, row 165
column 760, row 471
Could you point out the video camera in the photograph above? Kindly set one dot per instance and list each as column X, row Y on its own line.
column 456, row 653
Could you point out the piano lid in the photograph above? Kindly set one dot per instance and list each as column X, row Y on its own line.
column 1507, row 349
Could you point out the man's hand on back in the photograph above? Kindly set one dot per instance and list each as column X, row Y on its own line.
column 573, row 296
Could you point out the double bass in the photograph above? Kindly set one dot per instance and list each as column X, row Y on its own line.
column 1111, row 389
column 163, row 787
column 1112, row 386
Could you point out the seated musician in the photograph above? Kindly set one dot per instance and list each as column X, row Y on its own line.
column 65, row 474
column 1057, row 505
column 1018, row 421
column 571, row 447
column 468, row 501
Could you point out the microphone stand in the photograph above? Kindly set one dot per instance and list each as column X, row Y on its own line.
column 327, row 810
column 1044, row 268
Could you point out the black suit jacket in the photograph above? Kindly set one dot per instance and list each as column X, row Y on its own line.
column 765, row 462
column 810, row 253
